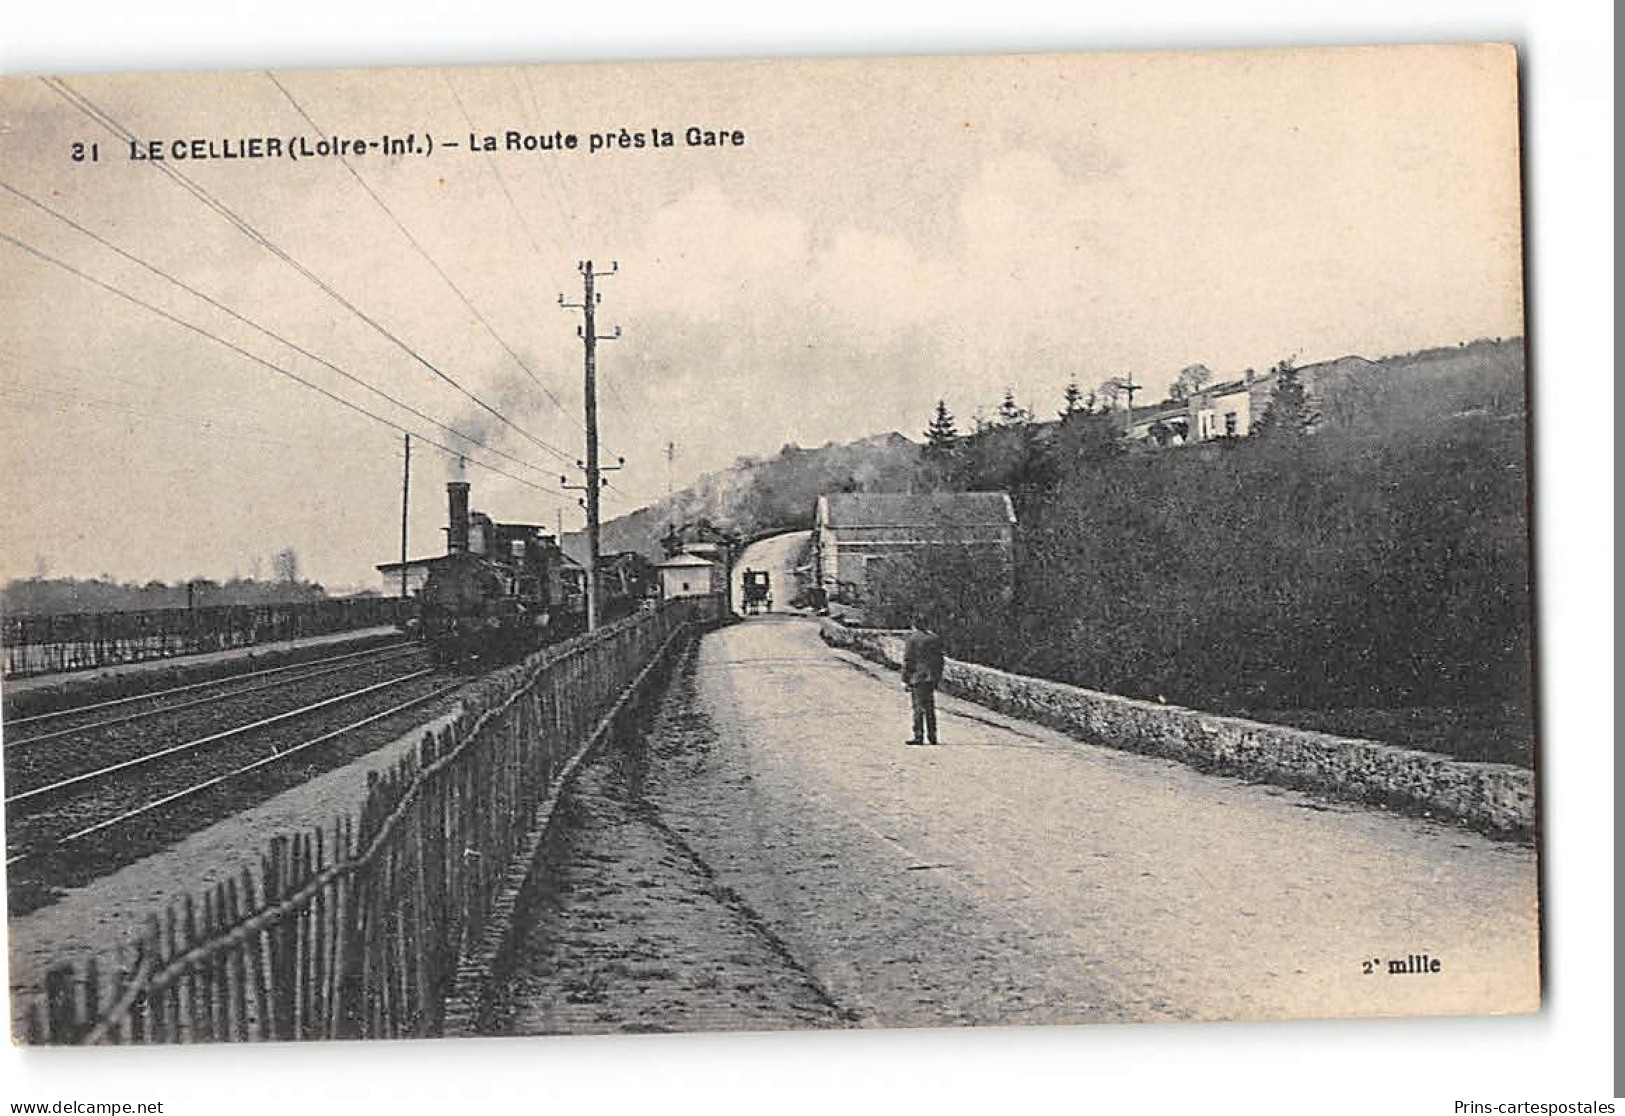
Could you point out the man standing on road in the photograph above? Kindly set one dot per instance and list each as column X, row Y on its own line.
column 922, row 673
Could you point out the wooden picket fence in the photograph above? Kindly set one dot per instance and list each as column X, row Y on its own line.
column 356, row 932
column 67, row 641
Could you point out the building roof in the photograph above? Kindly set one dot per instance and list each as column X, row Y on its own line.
column 685, row 561
column 935, row 509
column 411, row 563
column 1156, row 411
column 1230, row 387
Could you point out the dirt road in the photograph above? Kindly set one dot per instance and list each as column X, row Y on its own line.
column 778, row 556
column 1014, row 875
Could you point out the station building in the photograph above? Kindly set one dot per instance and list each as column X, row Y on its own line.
column 855, row 533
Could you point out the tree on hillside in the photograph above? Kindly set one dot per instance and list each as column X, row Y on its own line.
column 1118, row 391
column 941, row 434
column 1190, row 380
column 1073, row 401
column 672, row 541
column 942, row 448
column 1348, row 398
column 1012, row 413
column 1026, row 459
column 1088, row 437
column 1289, row 414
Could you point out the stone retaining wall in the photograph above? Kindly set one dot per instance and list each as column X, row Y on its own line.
column 1495, row 798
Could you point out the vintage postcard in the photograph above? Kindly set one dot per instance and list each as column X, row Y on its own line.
column 761, row 545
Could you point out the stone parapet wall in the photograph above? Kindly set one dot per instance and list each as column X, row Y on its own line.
column 1495, row 798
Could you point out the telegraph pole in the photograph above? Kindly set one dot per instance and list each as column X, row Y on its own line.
column 595, row 479
column 1129, row 387
column 671, row 455
column 406, row 491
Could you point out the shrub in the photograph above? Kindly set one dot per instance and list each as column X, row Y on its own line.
column 1354, row 568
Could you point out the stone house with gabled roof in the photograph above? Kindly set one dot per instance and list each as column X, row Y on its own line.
column 854, row 533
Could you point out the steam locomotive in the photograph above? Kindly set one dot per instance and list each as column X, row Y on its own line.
column 504, row 590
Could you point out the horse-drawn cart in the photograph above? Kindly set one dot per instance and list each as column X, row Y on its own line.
column 758, row 592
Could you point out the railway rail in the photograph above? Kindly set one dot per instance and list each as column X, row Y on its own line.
column 68, row 785
column 278, row 755
column 99, row 773
column 229, row 687
column 80, row 746
column 71, row 711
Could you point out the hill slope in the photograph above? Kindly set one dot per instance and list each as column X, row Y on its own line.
column 756, row 494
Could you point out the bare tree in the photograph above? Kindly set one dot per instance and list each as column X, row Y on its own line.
column 1190, row 380
column 1114, row 392
column 1347, row 398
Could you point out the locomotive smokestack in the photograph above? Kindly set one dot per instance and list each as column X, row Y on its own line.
column 457, row 528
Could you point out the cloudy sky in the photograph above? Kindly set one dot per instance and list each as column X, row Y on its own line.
column 891, row 232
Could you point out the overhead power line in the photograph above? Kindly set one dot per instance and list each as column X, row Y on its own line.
column 490, row 164
column 494, row 166
column 235, row 431
column 89, row 108
column 256, row 358
column 421, row 250
column 524, row 90
column 513, row 204
column 263, row 330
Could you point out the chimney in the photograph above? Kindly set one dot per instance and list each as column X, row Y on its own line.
column 457, row 531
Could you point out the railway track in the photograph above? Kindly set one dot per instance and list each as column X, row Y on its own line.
column 106, row 737
column 58, row 723
column 130, row 775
